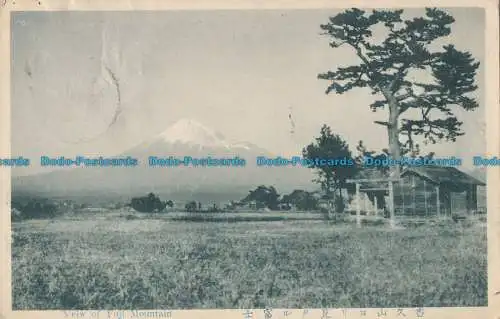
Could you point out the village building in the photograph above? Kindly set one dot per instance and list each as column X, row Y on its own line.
column 419, row 191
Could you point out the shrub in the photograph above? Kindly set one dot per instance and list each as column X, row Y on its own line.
column 169, row 203
column 16, row 214
column 191, row 206
column 301, row 199
column 147, row 204
column 214, row 209
column 36, row 208
column 264, row 197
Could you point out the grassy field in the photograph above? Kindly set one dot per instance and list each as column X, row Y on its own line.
column 117, row 263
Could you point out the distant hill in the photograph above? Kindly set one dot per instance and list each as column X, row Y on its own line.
column 185, row 138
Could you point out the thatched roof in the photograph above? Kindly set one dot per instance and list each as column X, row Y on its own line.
column 442, row 175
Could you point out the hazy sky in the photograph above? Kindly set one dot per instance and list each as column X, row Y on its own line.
column 239, row 72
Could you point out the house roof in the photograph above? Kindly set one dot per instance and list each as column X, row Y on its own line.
column 442, row 175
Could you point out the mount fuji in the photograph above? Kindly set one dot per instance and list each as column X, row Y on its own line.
column 186, row 137
column 191, row 136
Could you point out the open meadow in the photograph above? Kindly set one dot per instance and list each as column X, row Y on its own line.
column 120, row 263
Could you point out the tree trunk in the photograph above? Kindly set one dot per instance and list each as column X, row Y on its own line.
column 393, row 134
column 394, row 148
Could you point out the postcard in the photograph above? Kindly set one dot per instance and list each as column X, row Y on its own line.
column 250, row 159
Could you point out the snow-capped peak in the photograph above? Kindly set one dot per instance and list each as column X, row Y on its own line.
column 189, row 131
column 192, row 133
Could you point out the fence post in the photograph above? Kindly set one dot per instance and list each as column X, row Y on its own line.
column 391, row 203
column 358, row 206
column 438, row 201
column 413, row 189
column 425, row 198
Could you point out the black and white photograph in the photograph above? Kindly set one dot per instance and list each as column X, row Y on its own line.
column 278, row 158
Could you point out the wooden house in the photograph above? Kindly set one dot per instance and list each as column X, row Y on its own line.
column 456, row 191
column 419, row 191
